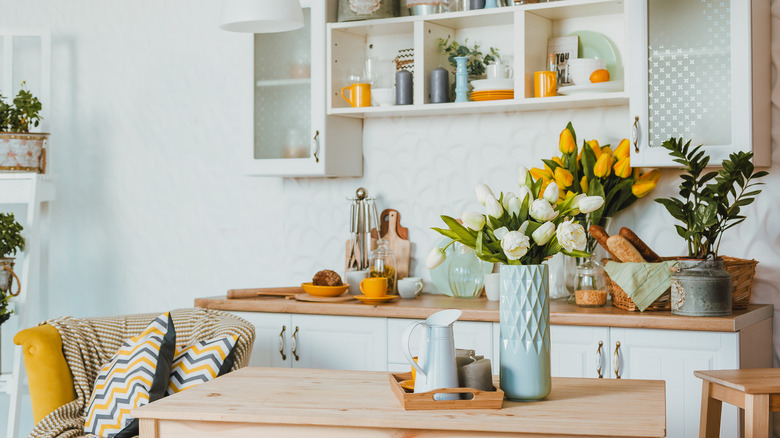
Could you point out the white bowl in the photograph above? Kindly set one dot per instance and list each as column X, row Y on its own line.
column 493, row 84
column 383, row 96
column 580, row 69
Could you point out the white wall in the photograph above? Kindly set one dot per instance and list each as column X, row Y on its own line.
column 152, row 210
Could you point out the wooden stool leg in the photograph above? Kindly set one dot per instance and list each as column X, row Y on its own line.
column 756, row 415
column 709, row 426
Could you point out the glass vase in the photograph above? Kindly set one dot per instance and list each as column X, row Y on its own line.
column 592, row 247
column 466, row 274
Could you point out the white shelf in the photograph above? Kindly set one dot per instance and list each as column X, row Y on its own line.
column 493, row 106
column 16, row 187
column 283, row 82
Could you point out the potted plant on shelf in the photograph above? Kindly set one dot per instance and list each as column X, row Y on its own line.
column 710, row 204
column 21, row 150
column 519, row 231
column 467, row 62
column 11, row 240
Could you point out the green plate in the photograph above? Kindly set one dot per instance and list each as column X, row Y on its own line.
column 440, row 274
column 596, row 45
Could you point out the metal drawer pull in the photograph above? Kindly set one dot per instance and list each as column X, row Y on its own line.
column 281, row 343
column 616, row 360
column 635, row 134
column 599, row 362
column 315, row 147
column 295, row 344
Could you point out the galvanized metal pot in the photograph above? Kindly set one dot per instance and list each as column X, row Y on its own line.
column 701, row 288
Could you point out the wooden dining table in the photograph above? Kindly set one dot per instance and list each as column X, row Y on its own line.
column 289, row 402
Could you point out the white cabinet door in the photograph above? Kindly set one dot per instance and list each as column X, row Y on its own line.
column 699, row 70
column 292, row 134
column 470, row 335
column 339, row 342
column 579, row 351
column 673, row 356
column 272, row 345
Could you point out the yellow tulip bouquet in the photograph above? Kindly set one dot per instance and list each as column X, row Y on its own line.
column 596, row 171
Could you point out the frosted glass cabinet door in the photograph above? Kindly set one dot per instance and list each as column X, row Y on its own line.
column 290, row 126
column 698, row 71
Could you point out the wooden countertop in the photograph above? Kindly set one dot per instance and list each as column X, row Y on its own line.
column 362, row 403
column 480, row 309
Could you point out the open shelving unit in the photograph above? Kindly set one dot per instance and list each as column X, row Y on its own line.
column 520, row 33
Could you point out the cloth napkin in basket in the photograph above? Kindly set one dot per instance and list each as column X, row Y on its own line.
column 643, row 282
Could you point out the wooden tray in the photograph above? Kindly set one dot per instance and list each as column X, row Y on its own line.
column 424, row 400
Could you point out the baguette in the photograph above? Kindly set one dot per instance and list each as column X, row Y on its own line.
column 601, row 236
column 647, row 253
column 624, row 250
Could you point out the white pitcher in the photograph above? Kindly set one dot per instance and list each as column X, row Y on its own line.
column 435, row 366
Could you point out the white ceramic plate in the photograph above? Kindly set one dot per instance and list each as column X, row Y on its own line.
column 493, row 84
column 599, row 87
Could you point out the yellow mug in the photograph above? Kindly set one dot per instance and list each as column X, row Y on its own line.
column 545, row 83
column 374, row 287
column 359, row 95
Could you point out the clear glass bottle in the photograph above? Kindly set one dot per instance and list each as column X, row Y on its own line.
column 466, row 274
column 383, row 265
column 590, row 285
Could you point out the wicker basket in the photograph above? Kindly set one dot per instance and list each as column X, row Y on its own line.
column 741, row 270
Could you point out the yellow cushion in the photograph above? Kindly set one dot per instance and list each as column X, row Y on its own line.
column 51, row 383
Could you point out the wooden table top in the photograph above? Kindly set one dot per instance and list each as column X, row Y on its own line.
column 749, row 381
column 597, row 407
column 480, row 309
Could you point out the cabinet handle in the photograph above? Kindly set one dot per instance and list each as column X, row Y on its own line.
column 599, row 362
column 616, row 360
column 315, row 146
column 281, row 342
column 295, row 344
column 635, row 134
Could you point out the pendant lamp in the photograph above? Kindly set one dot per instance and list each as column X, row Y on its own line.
column 261, row 16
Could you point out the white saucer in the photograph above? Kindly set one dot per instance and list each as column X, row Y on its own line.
column 599, row 87
column 493, row 84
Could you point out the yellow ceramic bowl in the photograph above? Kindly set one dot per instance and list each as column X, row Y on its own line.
column 324, row 291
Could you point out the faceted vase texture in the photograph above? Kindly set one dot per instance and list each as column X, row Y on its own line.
column 524, row 350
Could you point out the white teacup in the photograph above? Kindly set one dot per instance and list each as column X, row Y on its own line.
column 410, row 287
column 383, row 96
column 353, row 280
column 499, row 71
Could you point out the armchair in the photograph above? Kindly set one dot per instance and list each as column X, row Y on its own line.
column 63, row 356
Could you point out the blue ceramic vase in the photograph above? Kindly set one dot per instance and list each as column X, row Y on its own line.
column 461, row 79
column 524, row 350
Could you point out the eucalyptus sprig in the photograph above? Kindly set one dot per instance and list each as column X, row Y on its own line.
column 11, row 238
column 475, row 66
column 711, row 202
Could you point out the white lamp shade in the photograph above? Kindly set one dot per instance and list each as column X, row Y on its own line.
column 261, row 16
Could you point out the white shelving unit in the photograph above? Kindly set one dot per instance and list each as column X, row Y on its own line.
column 35, row 191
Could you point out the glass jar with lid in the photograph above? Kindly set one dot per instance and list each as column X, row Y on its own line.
column 383, row 264
column 590, row 284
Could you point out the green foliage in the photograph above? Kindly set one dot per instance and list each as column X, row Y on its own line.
column 22, row 113
column 475, row 66
column 5, row 312
column 11, row 238
column 711, row 202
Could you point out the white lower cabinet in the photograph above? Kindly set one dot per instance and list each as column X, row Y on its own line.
column 318, row 341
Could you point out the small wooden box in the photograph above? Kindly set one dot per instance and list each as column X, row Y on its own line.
column 419, row 401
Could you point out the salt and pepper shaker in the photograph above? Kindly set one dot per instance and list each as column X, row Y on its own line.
column 440, row 86
column 403, row 88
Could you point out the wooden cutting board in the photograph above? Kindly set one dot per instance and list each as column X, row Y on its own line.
column 263, row 292
column 398, row 238
column 312, row 299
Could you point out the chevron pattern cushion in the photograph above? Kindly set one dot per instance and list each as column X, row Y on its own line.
column 201, row 362
column 136, row 375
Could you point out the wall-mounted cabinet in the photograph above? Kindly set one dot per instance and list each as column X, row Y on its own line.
column 293, row 135
column 520, row 33
column 699, row 70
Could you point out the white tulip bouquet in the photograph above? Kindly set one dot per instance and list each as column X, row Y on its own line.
column 523, row 228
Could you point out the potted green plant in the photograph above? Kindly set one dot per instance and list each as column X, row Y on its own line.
column 11, row 241
column 710, row 203
column 475, row 66
column 21, row 150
